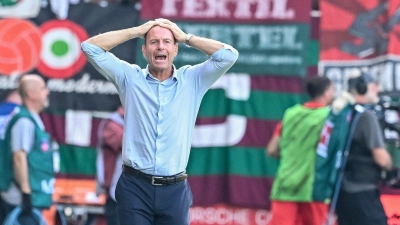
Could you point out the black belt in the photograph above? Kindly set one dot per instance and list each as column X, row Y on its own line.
column 155, row 180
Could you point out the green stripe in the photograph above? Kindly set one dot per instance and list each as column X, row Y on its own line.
column 243, row 161
column 312, row 53
column 203, row 161
column 54, row 112
column 260, row 105
column 77, row 160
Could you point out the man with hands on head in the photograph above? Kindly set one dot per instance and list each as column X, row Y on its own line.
column 161, row 103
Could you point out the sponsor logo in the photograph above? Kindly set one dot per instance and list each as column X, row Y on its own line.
column 54, row 48
column 61, row 55
column 371, row 32
column 48, row 186
column 361, row 34
column 20, row 44
column 45, row 145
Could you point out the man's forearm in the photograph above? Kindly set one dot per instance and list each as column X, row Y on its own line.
column 273, row 147
column 109, row 40
column 205, row 45
column 382, row 158
column 21, row 171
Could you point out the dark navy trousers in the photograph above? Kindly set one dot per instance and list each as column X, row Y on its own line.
column 140, row 203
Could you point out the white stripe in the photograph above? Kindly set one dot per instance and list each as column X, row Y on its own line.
column 78, row 127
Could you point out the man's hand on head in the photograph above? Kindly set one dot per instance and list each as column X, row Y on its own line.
column 176, row 31
column 144, row 28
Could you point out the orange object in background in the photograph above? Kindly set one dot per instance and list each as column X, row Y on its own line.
column 79, row 194
column 20, row 45
column 50, row 215
column 77, row 191
column 391, row 204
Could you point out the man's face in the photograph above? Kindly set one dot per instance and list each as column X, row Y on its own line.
column 330, row 93
column 372, row 93
column 41, row 93
column 160, row 49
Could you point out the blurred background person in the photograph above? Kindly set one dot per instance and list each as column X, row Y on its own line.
column 7, row 109
column 109, row 160
column 359, row 197
column 29, row 177
column 295, row 143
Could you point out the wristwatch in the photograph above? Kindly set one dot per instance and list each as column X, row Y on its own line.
column 188, row 36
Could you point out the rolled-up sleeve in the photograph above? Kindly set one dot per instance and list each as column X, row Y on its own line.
column 106, row 63
column 226, row 54
column 211, row 70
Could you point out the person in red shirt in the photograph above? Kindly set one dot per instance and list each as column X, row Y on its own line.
column 298, row 212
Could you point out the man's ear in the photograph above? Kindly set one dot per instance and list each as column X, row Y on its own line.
column 144, row 51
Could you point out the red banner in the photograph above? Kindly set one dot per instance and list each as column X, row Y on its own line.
column 363, row 34
column 363, row 29
column 229, row 11
column 226, row 215
column 391, row 203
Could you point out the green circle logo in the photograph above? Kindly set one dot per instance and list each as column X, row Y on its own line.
column 59, row 48
column 61, row 55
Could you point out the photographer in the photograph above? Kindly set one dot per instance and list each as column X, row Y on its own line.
column 359, row 197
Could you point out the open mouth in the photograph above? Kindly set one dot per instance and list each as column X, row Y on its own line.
column 161, row 57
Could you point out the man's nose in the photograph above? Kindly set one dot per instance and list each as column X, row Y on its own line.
column 161, row 45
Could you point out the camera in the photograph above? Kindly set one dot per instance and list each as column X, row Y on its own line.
column 388, row 116
column 391, row 177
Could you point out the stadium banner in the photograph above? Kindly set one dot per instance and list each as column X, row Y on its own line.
column 238, row 114
column 362, row 34
column 232, row 11
column 79, row 95
column 279, row 49
column 272, row 37
column 227, row 215
column 51, row 48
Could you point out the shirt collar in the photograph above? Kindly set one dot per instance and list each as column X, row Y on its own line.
column 174, row 74
column 313, row 104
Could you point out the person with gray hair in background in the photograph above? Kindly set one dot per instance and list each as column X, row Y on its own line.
column 358, row 201
column 27, row 174
column 8, row 108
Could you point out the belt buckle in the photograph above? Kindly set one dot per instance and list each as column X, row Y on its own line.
column 153, row 179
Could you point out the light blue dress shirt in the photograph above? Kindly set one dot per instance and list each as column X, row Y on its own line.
column 159, row 116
